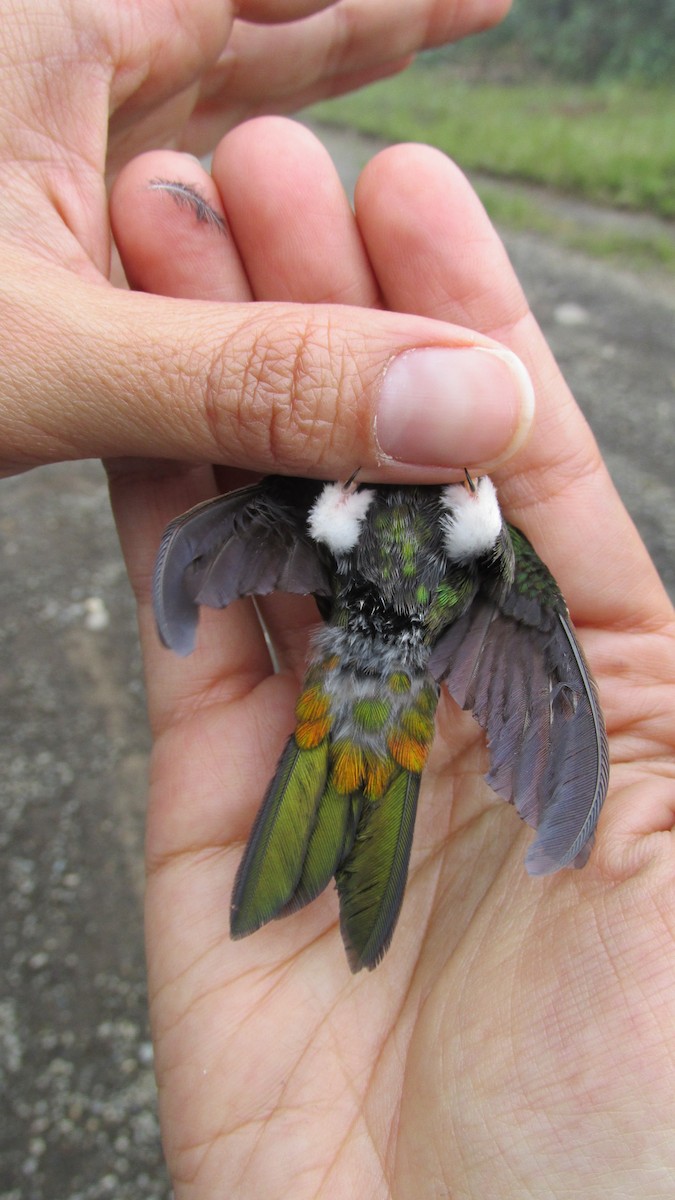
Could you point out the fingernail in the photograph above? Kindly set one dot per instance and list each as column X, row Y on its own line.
column 453, row 408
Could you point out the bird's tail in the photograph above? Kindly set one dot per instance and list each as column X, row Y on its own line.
column 340, row 806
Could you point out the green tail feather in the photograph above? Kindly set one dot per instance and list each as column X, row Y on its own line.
column 372, row 879
column 331, row 839
column 275, row 854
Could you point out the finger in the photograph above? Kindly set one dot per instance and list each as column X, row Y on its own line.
column 273, row 11
column 295, row 237
column 299, row 242
column 171, row 230
column 344, row 39
column 290, row 216
column 158, row 203
column 172, row 234
column 436, row 253
column 216, row 113
column 298, row 239
column 97, row 372
column 327, row 53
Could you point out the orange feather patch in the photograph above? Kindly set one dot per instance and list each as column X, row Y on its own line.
column 408, row 752
column 378, row 775
column 312, row 704
column 309, row 734
column 348, row 766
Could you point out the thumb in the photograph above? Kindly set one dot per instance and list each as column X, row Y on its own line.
column 92, row 371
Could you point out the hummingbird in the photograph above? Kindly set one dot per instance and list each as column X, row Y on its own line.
column 418, row 587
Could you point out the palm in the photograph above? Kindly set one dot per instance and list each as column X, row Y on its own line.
column 488, row 968
column 515, row 1024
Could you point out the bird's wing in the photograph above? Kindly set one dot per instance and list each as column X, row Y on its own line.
column 250, row 542
column 517, row 664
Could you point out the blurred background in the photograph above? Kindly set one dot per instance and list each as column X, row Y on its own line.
column 563, row 118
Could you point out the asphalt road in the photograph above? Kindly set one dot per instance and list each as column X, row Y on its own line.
column 77, row 1098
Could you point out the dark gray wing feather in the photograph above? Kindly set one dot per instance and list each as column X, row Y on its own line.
column 250, row 542
column 518, row 666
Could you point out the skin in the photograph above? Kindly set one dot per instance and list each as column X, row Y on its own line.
column 92, row 370
column 516, row 1039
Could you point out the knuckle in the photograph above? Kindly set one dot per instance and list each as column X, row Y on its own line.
column 287, row 399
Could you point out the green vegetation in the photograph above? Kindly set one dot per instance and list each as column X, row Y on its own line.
column 637, row 250
column 610, row 144
column 573, row 96
column 588, row 40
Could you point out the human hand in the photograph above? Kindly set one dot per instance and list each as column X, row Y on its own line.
column 516, row 1039
column 90, row 370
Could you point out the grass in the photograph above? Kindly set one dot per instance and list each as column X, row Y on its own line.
column 633, row 250
column 612, row 145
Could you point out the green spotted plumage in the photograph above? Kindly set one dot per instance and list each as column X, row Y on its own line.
column 369, row 701
column 350, row 773
column 416, row 586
